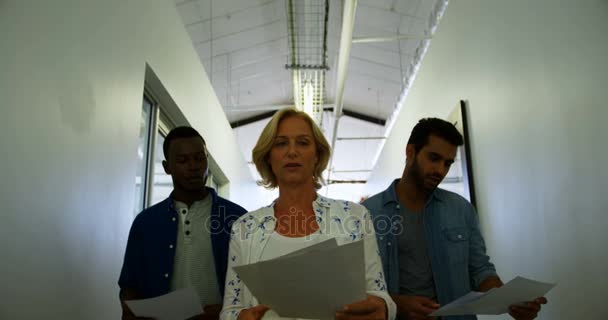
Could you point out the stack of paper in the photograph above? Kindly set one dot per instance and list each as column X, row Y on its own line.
column 177, row 305
column 312, row 283
column 497, row 300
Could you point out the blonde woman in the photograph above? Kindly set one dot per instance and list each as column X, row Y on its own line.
column 291, row 155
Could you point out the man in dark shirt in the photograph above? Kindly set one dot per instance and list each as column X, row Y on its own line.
column 168, row 250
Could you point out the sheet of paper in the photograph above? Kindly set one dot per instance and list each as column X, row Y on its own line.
column 313, row 284
column 497, row 300
column 324, row 245
column 177, row 305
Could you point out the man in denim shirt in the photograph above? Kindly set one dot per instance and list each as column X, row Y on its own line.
column 429, row 239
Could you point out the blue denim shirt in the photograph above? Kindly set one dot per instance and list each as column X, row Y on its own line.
column 148, row 262
column 456, row 247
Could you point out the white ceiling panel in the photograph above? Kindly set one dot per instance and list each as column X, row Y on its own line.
column 383, row 20
column 365, row 67
column 272, row 48
column 199, row 32
column 203, row 49
column 276, row 49
column 194, row 11
column 257, row 83
column 224, row 7
column 408, row 47
column 264, row 67
column 418, row 26
column 216, row 64
column 376, row 55
column 228, row 24
column 251, row 37
column 424, row 9
column 272, row 90
column 380, row 4
column 408, row 7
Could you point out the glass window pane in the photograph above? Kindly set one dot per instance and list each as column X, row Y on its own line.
column 142, row 155
column 162, row 183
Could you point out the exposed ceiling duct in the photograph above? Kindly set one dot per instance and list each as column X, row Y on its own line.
column 307, row 24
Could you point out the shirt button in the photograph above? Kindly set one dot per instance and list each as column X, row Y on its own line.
column 187, row 221
column 459, row 236
column 173, row 219
column 184, row 211
column 166, row 275
column 389, row 243
column 188, row 233
column 170, row 246
column 398, row 206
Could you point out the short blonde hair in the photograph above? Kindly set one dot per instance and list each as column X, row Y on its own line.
column 261, row 151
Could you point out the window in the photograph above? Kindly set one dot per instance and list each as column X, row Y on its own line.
column 152, row 184
column 159, row 115
column 162, row 185
column 141, row 177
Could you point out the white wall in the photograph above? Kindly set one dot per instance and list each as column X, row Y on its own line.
column 71, row 83
column 536, row 77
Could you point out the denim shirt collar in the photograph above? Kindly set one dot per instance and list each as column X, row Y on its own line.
column 389, row 196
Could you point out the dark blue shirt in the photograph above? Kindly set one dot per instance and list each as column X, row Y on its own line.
column 148, row 262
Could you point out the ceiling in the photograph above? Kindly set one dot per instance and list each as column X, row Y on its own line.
column 244, row 47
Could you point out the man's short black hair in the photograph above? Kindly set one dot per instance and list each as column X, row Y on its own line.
column 434, row 126
column 177, row 133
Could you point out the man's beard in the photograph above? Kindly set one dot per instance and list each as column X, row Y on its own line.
column 417, row 177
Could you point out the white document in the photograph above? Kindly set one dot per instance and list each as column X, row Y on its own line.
column 311, row 283
column 497, row 300
column 177, row 305
column 323, row 245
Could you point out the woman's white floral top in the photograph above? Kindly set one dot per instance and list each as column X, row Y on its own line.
column 346, row 221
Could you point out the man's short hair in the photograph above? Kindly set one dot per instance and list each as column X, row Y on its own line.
column 177, row 133
column 434, row 126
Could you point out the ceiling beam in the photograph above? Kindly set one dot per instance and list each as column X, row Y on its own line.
column 271, row 109
column 246, row 121
column 360, row 116
column 363, row 117
column 346, row 40
column 389, row 38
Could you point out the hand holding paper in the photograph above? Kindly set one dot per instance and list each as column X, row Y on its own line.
column 314, row 282
column 497, row 300
column 177, row 305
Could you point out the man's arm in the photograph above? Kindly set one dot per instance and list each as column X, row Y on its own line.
column 489, row 283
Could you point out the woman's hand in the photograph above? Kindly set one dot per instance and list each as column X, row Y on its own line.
column 255, row 313
column 372, row 308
